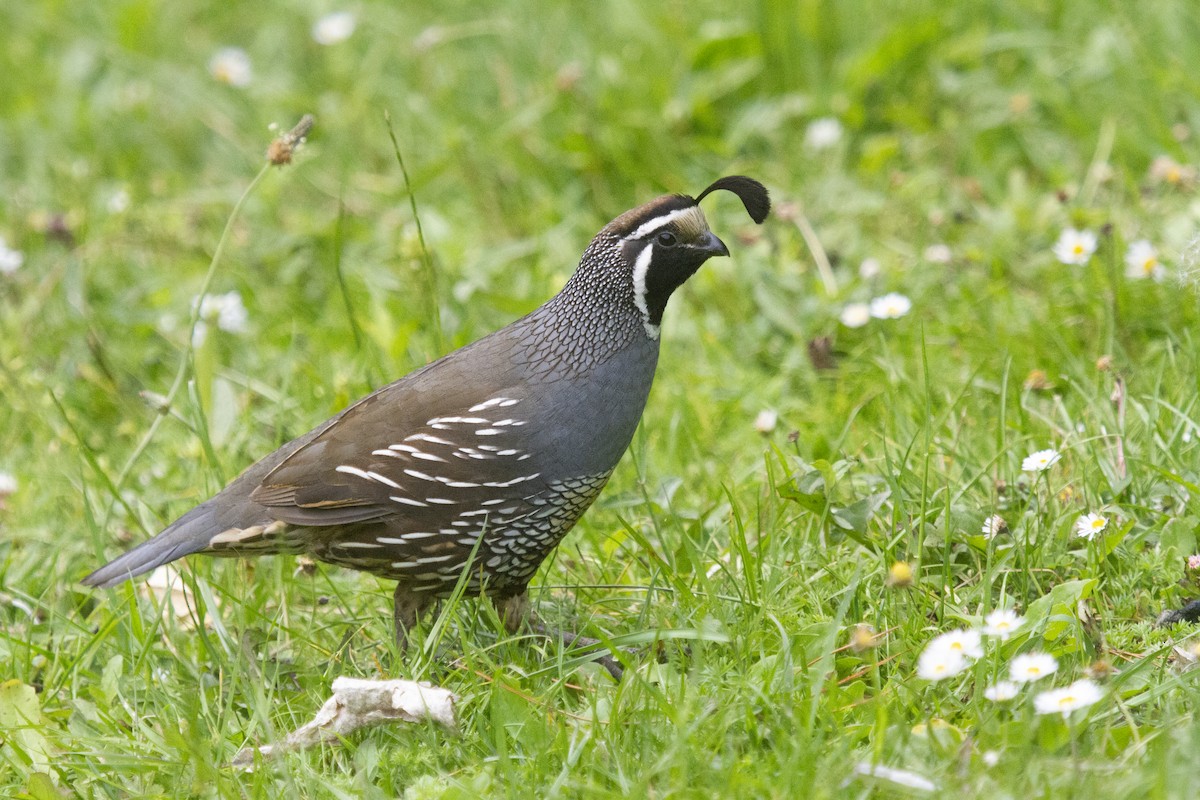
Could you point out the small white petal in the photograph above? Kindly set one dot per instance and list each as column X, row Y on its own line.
column 334, row 28
column 890, row 306
column 10, row 260
column 855, row 315
column 1090, row 525
column 231, row 65
column 1080, row 694
column 1040, row 461
column 766, row 421
column 1141, row 261
column 823, row 133
column 1074, row 246
column 1002, row 691
column 118, row 202
column 227, row 310
column 938, row 663
column 994, row 525
column 1002, row 623
column 233, row 316
column 967, row 643
column 939, row 254
column 1032, row 666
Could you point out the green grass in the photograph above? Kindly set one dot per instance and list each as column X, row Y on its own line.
column 987, row 127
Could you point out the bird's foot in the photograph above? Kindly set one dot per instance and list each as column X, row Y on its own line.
column 515, row 611
column 408, row 608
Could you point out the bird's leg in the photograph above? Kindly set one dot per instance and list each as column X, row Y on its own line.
column 409, row 606
column 515, row 611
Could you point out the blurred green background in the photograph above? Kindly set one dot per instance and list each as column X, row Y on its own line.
column 947, row 143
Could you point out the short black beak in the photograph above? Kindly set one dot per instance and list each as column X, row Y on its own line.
column 713, row 246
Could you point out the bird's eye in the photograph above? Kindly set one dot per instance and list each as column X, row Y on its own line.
column 666, row 239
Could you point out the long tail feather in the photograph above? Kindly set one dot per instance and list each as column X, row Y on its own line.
column 191, row 533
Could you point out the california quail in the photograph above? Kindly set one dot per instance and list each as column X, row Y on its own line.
column 510, row 438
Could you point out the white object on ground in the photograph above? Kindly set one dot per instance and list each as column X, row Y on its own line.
column 358, row 703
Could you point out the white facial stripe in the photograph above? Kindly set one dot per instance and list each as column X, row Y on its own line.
column 647, row 228
column 640, row 267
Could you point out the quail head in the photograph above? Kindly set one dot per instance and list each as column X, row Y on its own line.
column 482, row 460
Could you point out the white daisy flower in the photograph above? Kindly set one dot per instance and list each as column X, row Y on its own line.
column 1040, row 461
column 766, row 421
column 869, row 268
column 8, row 485
column 231, row 65
column 334, row 28
column 227, row 310
column 1002, row 623
column 890, row 306
column 994, row 526
column 232, row 316
column 855, row 315
column 822, row 133
column 939, row 663
column 939, row 254
column 10, row 260
column 967, row 643
column 1141, row 261
column 1002, row 691
column 1075, row 247
column 1031, row 667
column 118, row 202
column 1090, row 525
column 1165, row 169
column 1080, row 694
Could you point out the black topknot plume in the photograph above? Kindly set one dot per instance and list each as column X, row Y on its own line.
column 752, row 194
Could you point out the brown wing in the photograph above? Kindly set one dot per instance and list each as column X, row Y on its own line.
column 382, row 458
